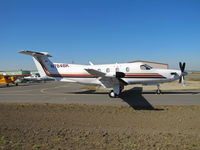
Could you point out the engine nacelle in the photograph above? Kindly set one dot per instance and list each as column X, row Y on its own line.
column 120, row 75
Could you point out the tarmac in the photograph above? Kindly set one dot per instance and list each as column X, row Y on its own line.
column 70, row 93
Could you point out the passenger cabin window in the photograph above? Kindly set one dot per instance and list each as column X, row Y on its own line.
column 108, row 70
column 127, row 69
column 145, row 67
column 117, row 69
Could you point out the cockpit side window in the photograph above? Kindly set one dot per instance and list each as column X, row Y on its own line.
column 142, row 67
column 145, row 67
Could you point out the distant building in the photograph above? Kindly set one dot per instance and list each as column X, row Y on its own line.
column 35, row 73
column 21, row 72
column 153, row 64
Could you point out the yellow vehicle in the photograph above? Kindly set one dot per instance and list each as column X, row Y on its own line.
column 7, row 79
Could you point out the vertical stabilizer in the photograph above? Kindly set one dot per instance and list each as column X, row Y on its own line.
column 44, row 66
column 39, row 68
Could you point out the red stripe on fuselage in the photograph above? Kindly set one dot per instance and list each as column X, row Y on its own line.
column 144, row 76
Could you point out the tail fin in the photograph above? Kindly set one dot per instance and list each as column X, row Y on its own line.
column 44, row 66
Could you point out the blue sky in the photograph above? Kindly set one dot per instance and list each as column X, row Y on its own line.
column 103, row 31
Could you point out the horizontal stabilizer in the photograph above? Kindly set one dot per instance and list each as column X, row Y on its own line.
column 32, row 53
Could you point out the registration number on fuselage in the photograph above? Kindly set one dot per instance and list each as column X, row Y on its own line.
column 61, row 65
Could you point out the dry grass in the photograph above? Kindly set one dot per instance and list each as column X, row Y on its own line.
column 75, row 127
column 193, row 79
column 195, row 73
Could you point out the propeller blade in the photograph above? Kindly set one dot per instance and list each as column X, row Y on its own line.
column 180, row 65
column 183, row 81
column 180, row 79
column 183, row 67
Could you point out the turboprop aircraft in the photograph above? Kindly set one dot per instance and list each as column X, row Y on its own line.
column 114, row 76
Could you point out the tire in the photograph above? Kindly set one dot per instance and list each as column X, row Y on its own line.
column 112, row 94
column 158, row 91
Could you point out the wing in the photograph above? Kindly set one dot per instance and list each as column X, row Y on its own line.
column 22, row 75
column 95, row 73
column 108, row 80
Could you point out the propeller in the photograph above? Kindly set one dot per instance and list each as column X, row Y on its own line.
column 182, row 68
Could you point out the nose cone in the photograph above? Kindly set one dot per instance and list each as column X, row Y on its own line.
column 178, row 72
column 181, row 73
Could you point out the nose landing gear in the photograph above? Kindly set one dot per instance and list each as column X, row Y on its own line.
column 158, row 91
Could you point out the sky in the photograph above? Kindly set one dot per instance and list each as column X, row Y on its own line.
column 101, row 31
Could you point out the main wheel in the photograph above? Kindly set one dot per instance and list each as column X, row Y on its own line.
column 158, row 91
column 112, row 94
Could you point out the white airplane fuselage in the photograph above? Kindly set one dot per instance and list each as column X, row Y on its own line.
column 133, row 73
column 114, row 76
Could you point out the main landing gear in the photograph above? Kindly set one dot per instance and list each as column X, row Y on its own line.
column 13, row 83
column 112, row 94
column 158, row 91
column 116, row 92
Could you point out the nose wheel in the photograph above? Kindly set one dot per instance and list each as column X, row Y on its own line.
column 158, row 91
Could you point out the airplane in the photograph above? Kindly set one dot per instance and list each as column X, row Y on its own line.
column 7, row 79
column 114, row 76
column 36, row 78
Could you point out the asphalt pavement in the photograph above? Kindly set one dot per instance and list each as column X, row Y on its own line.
column 70, row 93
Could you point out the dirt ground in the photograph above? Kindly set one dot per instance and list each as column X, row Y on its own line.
column 75, row 127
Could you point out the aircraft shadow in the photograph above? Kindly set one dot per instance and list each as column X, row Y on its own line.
column 136, row 90
column 171, row 92
column 134, row 98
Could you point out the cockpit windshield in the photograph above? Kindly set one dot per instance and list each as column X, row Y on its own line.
column 145, row 67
